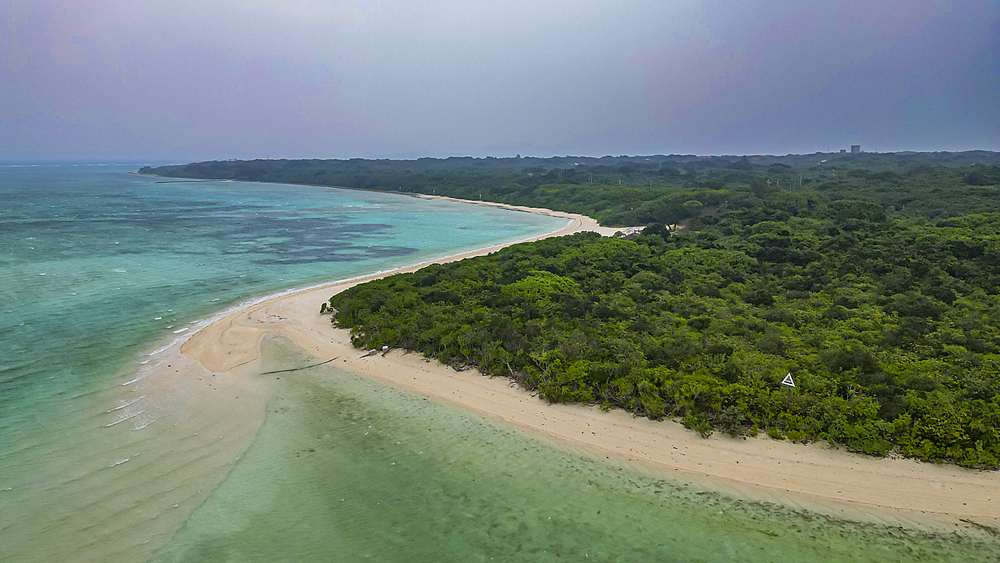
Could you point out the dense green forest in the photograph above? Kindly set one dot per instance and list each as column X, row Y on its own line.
column 874, row 280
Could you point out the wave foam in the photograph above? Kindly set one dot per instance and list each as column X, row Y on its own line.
column 119, row 407
column 124, row 418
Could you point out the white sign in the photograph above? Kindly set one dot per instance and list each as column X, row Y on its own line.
column 788, row 380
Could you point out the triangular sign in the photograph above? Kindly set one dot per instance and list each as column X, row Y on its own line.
column 788, row 380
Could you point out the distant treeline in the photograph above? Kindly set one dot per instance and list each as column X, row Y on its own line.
column 874, row 281
column 639, row 190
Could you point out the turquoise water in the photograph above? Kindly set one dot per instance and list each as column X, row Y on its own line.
column 346, row 469
column 96, row 259
column 99, row 269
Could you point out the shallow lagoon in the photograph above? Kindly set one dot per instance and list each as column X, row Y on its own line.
column 100, row 269
column 347, row 468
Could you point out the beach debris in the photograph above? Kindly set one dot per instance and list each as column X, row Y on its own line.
column 301, row 368
column 988, row 529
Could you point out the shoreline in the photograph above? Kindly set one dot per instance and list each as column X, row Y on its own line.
column 816, row 477
column 596, row 227
column 225, row 331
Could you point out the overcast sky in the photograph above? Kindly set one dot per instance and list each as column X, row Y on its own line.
column 215, row 79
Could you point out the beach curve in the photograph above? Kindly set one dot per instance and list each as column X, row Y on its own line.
column 814, row 476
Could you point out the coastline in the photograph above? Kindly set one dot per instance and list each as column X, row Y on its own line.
column 591, row 224
column 815, row 476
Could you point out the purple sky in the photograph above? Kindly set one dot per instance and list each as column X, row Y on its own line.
column 214, row 79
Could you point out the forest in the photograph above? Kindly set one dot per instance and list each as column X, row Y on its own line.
column 873, row 280
column 638, row 190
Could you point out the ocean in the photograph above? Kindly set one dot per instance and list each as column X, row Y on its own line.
column 104, row 272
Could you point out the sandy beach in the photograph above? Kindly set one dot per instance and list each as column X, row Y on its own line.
column 813, row 476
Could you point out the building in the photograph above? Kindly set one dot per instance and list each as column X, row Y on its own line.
column 855, row 149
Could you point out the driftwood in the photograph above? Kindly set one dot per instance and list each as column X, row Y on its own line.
column 297, row 369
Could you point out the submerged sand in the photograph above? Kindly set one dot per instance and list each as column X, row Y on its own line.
column 813, row 476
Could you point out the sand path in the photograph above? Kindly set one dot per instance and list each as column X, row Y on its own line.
column 813, row 476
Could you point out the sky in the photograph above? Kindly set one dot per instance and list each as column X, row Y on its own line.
column 216, row 79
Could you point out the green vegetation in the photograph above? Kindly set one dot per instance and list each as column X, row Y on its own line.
column 638, row 190
column 875, row 282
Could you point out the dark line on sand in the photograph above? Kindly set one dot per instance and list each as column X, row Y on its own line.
column 297, row 369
